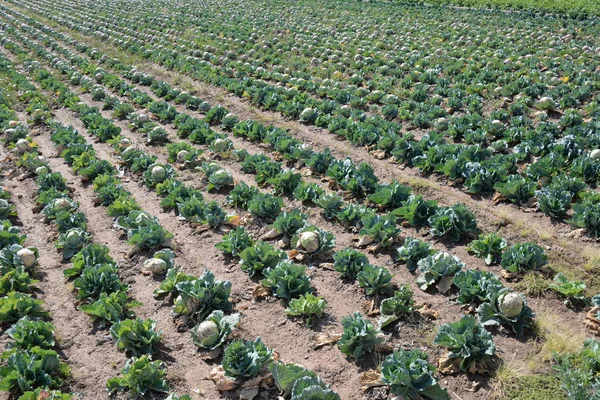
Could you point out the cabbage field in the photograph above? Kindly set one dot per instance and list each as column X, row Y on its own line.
column 299, row 200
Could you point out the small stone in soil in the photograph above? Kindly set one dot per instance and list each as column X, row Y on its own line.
column 177, row 346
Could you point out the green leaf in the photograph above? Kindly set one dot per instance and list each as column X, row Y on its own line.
column 307, row 306
column 489, row 247
column 359, row 336
column 467, row 341
column 437, row 267
column 409, row 374
column 523, row 257
column 245, row 359
column 287, row 280
column 139, row 377
column 136, row 336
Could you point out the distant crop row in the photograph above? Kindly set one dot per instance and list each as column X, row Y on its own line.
column 571, row 8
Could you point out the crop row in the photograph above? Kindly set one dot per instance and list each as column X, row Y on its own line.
column 521, row 159
column 436, row 269
column 191, row 291
column 376, row 284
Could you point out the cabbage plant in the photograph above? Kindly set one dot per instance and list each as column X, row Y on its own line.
column 245, row 359
column 360, row 336
column 524, row 257
column 296, row 382
column 506, row 308
column 439, row 269
column 408, row 373
column 211, row 333
column 469, row 344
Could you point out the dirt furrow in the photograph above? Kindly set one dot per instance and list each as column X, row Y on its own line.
column 79, row 342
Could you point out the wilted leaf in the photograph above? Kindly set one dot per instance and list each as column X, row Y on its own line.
column 370, row 379
column 260, row 292
column 271, row 234
column 364, row 240
column 251, row 388
column 223, row 383
column 325, row 338
column 591, row 320
column 426, row 311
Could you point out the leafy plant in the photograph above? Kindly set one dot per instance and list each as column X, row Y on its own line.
column 139, row 377
column 214, row 330
column 578, row 371
column 453, row 222
column 111, row 308
column 349, row 262
column 296, row 382
column 380, row 229
column 351, row 215
column 359, row 336
column 412, row 251
column 287, row 280
column 143, row 230
column 169, row 284
column 307, row 306
column 137, row 336
column 28, row 333
column 331, row 204
column 516, row 189
column 469, row 344
column 313, row 241
column 235, row 242
column 72, row 241
column 308, row 192
column 33, row 368
column 241, row 194
column 15, row 306
column 65, row 221
column 245, row 359
column 288, row 223
column 390, row 196
column 200, row 297
column 265, row 206
column 416, row 210
column 572, row 290
column 506, row 308
column 156, row 173
column 7, row 209
column 91, row 255
column 409, row 374
column 10, row 234
column 475, row 285
column 586, row 214
column 375, row 280
column 216, row 176
column 489, row 247
column 395, row 307
column 98, row 279
column 259, row 257
column 523, row 257
column 553, row 201
column 58, row 205
column 438, row 268
column 285, row 182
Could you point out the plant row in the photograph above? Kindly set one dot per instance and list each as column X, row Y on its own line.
column 500, row 168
